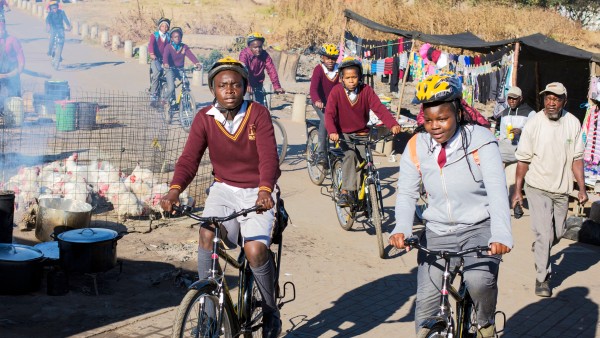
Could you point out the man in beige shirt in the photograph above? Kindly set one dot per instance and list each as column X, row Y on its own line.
column 550, row 155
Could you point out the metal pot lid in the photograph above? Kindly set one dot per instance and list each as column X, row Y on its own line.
column 49, row 249
column 87, row 235
column 19, row 253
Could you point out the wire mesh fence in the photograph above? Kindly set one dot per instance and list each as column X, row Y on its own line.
column 111, row 150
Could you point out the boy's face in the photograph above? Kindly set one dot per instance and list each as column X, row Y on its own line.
column 164, row 27
column 350, row 78
column 328, row 62
column 176, row 37
column 256, row 47
column 228, row 88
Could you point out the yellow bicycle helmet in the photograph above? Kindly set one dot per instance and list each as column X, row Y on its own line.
column 329, row 50
column 253, row 37
column 442, row 87
column 227, row 63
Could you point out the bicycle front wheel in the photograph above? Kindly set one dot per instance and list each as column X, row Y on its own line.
column 345, row 215
column 253, row 325
column 316, row 172
column 197, row 315
column 187, row 111
column 376, row 218
column 281, row 139
column 437, row 331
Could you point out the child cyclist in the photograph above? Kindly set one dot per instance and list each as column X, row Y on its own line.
column 257, row 60
column 241, row 144
column 324, row 77
column 174, row 57
column 346, row 117
column 156, row 45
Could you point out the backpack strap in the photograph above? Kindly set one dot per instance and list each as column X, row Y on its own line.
column 412, row 149
column 476, row 157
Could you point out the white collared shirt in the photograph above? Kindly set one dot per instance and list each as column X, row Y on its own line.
column 162, row 35
column 330, row 74
column 451, row 146
column 353, row 94
column 230, row 126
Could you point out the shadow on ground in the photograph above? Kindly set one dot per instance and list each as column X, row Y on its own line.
column 360, row 310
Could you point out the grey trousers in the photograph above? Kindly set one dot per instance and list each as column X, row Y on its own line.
column 323, row 139
column 156, row 66
column 353, row 155
column 548, row 222
column 171, row 75
column 481, row 274
column 507, row 151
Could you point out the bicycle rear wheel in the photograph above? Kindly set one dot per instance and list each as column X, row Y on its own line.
column 345, row 215
column 187, row 111
column 255, row 316
column 196, row 315
column 280, row 138
column 376, row 218
column 316, row 172
column 437, row 331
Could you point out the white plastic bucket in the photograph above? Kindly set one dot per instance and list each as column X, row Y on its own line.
column 13, row 112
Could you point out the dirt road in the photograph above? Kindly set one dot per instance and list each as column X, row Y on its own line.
column 342, row 288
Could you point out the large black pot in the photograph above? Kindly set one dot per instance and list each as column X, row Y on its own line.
column 88, row 250
column 20, row 269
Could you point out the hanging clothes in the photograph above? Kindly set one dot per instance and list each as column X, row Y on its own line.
column 395, row 77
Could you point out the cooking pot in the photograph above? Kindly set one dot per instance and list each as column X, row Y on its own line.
column 56, row 215
column 88, row 250
column 49, row 250
column 20, row 269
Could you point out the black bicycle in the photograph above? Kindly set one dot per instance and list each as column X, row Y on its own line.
column 461, row 323
column 183, row 103
column 56, row 51
column 368, row 199
column 317, row 168
column 207, row 310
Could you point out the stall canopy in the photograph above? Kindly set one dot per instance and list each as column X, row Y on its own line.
column 541, row 60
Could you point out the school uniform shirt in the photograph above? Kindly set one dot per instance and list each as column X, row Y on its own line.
column 157, row 44
column 322, row 82
column 176, row 58
column 256, row 68
column 343, row 115
column 550, row 147
column 245, row 158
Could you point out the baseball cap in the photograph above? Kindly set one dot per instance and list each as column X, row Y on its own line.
column 514, row 92
column 555, row 88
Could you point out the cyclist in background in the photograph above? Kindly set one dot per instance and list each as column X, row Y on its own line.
column 4, row 3
column 156, row 45
column 12, row 62
column 241, row 144
column 257, row 60
column 324, row 77
column 457, row 161
column 55, row 25
column 174, row 57
column 346, row 117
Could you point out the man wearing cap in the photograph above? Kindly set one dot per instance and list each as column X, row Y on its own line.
column 550, row 155
column 510, row 124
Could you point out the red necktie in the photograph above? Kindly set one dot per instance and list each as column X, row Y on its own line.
column 442, row 156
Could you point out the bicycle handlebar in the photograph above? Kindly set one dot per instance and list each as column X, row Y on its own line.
column 286, row 92
column 368, row 142
column 187, row 210
column 413, row 242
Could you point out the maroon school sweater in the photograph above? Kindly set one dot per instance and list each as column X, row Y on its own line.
column 321, row 85
column 246, row 159
column 342, row 116
column 175, row 58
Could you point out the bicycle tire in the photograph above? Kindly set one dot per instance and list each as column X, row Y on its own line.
column 280, row 138
column 185, row 313
column 316, row 172
column 345, row 215
column 255, row 313
column 376, row 218
column 187, row 111
column 437, row 331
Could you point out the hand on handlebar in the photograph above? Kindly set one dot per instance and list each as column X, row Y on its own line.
column 396, row 130
column 169, row 200
column 280, row 91
column 498, row 249
column 397, row 241
column 334, row 137
column 265, row 200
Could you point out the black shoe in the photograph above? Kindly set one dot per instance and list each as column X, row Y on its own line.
column 345, row 200
column 271, row 326
column 542, row 289
column 322, row 159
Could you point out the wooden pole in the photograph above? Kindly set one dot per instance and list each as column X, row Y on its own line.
column 412, row 47
column 513, row 81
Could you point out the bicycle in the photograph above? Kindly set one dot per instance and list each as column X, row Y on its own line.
column 317, row 171
column 369, row 199
column 56, row 51
column 184, row 103
column 280, row 133
column 207, row 310
column 461, row 323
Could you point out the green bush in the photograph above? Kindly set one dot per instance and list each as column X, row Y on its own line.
column 208, row 61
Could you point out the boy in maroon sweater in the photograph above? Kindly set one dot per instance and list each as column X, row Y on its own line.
column 156, row 45
column 324, row 77
column 241, row 142
column 346, row 117
column 174, row 55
